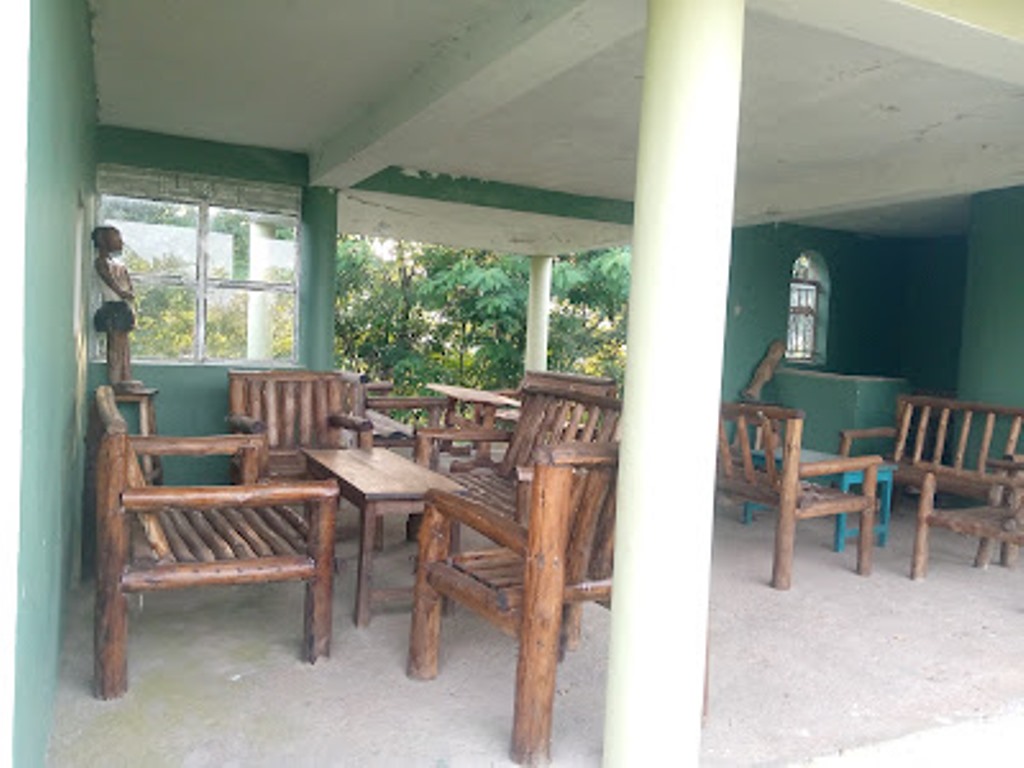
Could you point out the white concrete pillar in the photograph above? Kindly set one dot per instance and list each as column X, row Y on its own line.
column 681, row 250
column 538, row 313
column 259, row 333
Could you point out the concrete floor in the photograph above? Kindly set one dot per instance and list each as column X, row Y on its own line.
column 863, row 671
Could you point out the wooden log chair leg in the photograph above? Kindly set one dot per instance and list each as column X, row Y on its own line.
column 110, row 641
column 572, row 629
column 925, row 507
column 984, row 554
column 543, row 588
column 866, row 538
column 320, row 589
column 785, row 534
column 110, row 628
column 425, row 632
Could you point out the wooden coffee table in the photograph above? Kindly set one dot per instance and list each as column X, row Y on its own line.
column 379, row 482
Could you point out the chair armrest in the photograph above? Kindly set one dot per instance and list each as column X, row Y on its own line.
column 346, row 421
column 836, row 466
column 247, row 424
column 580, row 454
column 206, row 445
column 156, row 497
column 847, row 436
column 499, row 528
column 469, row 434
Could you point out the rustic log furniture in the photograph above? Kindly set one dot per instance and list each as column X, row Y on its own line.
column 161, row 537
column 952, row 439
column 531, row 580
column 379, row 482
column 550, row 412
column 788, row 488
column 482, row 405
column 1000, row 520
column 320, row 409
column 845, row 481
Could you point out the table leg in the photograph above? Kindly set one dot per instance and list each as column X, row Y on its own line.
column 885, row 491
column 364, row 578
column 840, row 535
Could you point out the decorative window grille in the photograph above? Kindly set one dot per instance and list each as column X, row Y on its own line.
column 804, row 311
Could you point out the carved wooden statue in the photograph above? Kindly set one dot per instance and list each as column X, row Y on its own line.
column 116, row 316
column 764, row 371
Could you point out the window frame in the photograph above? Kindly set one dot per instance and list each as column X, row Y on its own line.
column 275, row 203
column 808, row 271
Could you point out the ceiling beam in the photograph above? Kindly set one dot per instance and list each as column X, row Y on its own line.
column 908, row 175
column 483, row 67
column 906, row 27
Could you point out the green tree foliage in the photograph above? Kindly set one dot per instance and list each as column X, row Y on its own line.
column 430, row 313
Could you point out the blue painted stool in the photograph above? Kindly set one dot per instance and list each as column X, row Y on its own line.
column 846, row 481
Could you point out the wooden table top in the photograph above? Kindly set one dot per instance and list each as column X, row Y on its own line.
column 378, row 473
column 470, row 395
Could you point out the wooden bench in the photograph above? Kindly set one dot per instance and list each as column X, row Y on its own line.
column 748, row 427
column 163, row 537
column 529, row 581
column 951, row 439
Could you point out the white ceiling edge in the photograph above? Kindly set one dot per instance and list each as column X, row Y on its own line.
column 379, row 214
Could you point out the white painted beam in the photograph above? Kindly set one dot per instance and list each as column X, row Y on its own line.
column 909, row 29
column 486, row 66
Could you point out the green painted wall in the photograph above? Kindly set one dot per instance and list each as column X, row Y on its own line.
column 991, row 363
column 61, row 122
column 832, row 402
column 933, row 308
column 894, row 322
column 864, row 303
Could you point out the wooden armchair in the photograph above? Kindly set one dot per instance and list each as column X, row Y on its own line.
column 162, row 537
column 743, row 475
column 550, row 413
column 531, row 583
column 299, row 409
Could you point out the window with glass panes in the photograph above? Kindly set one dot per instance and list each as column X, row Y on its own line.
column 214, row 265
column 804, row 295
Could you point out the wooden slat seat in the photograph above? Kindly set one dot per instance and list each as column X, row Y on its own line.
column 531, row 583
column 164, row 537
column 744, row 429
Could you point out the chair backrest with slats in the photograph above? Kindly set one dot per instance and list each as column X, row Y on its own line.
column 551, row 414
column 957, row 434
column 749, row 433
column 294, row 405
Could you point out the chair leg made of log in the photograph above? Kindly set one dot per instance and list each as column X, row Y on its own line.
column 425, row 631
column 785, row 535
column 320, row 589
column 110, row 642
column 866, row 539
column 541, row 626
column 925, row 507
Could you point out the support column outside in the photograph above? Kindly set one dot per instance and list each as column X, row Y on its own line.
column 538, row 313
column 681, row 251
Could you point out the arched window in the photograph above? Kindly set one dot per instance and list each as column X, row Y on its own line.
column 808, row 309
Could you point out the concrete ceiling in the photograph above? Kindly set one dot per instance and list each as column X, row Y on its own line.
column 872, row 116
